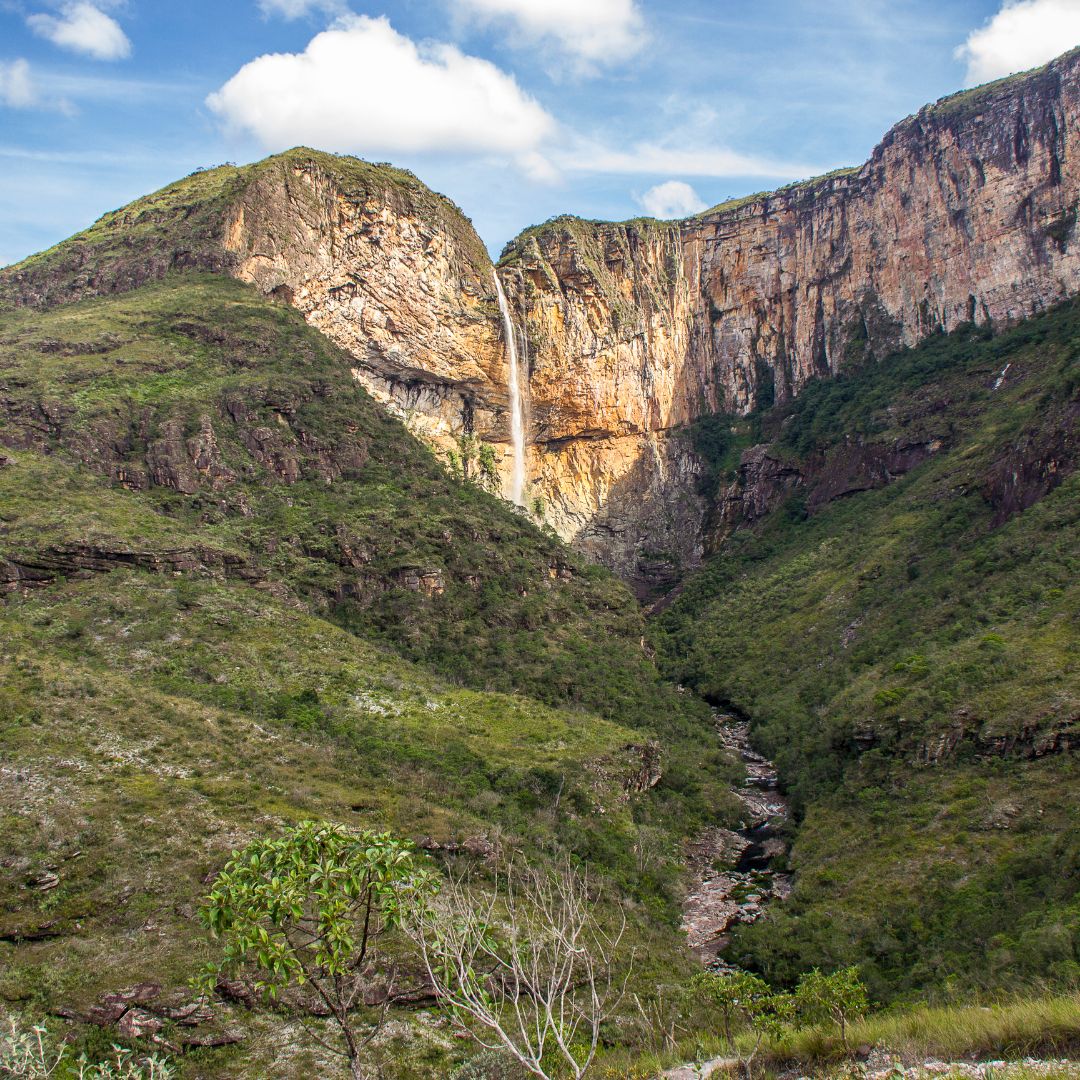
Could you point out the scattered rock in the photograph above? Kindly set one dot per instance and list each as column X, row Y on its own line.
column 210, row 1040
column 732, row 875
column 139, row 1024
column 190, row 1015
column 111, row 1008
column 235, row 990
column 428, row 581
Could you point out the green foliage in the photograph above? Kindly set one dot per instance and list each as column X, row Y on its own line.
column 746, row 1004
column 316, row 906
column 838, row 998
column 34, row 1054
column 306, row 905
column 489, row 472
column 917, row 650
column 1028, row 1026
column 739, row 997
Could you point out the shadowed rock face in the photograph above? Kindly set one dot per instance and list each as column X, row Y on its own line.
column 966, row 212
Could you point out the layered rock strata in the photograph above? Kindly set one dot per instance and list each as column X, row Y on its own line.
column 966, row 212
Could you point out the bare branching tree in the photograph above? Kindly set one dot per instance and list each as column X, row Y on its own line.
column 527, row 967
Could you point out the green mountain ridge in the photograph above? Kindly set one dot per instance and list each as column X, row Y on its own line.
column 235, row 593
column 909, row 657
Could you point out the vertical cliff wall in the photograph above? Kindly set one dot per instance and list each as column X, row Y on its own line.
column 628, row 332
column 965, row 212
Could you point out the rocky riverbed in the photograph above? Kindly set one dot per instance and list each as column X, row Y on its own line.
column 733, row 870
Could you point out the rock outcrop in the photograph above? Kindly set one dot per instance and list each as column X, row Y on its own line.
column 966, row 212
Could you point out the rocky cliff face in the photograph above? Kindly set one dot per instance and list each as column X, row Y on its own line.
column 394, row 274
column 385, row 267
column 966, row 212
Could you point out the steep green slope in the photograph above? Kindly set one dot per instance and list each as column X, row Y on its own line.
column 236, row 593
column 902, row 627
column 151, row 726
column 200, row 426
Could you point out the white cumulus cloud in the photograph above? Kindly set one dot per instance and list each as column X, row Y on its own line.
column 595, row 31
column 363, row 87
column 16, row 86
column 1022, row 35
column 84, row 28
column 673, row 199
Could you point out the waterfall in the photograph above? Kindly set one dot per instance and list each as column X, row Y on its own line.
column 517, row 413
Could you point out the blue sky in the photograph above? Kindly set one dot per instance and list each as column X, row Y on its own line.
column 516, row 109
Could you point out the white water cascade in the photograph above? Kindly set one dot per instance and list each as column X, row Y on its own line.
column 517, row 412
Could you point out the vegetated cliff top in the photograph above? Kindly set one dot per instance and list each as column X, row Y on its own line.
column 968, row 107
column 186, row 224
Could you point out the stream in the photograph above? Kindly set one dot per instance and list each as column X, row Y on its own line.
column 732, row 870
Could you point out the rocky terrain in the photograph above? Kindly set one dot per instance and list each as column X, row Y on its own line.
column 732, row 877
column 964, row 213
column 834, row 428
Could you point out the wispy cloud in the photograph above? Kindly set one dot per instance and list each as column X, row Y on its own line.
column 17, row 89
column 592, row 32
column 657, row 159
column 297, row 9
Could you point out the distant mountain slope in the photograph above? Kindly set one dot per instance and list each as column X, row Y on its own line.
column 893, row 599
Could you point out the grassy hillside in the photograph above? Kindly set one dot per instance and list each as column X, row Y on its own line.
column 908, row 655
column 237, row 594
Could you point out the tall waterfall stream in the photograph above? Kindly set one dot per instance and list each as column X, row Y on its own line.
column 517, row 410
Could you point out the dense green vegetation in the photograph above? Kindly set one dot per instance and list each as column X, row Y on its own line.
column 910, row 661
column 238, row 595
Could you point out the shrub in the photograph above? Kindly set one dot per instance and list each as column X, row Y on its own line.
column 838, row 998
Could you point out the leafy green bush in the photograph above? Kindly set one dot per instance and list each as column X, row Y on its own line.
column 316, row 907
column 33, row 1054
column 836, row 999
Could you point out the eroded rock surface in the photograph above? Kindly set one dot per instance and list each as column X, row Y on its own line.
column 732, row 876
column 966, row 212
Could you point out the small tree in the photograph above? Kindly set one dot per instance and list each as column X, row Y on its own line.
column 745, row 1002
column 838, row 998
column 489, row 469
column 528, row 963
column 314, row 908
